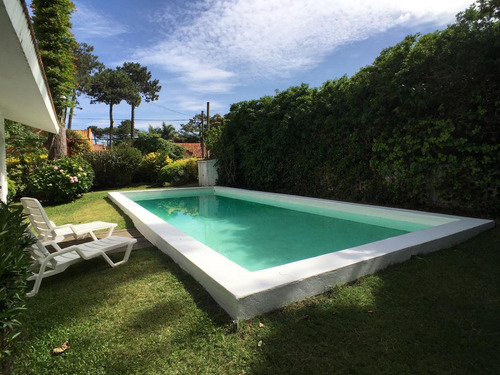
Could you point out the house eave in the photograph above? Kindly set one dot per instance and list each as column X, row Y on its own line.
column 24, row 92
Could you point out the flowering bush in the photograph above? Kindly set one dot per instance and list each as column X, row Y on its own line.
column 20, row 171
column 59, row 181
column 151, row 165
column 180, row 172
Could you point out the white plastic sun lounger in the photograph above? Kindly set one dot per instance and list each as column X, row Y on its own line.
column 49, row 264
column 48, row 230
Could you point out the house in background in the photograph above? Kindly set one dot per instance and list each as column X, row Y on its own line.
column 24, row 91
column 87, row 134
column 192, row 149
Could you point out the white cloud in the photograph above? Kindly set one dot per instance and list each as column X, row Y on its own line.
column 197, row 104
column 214, row 45
column 90, row 23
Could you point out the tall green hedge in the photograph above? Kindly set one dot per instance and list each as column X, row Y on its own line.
column 418, row 127
column 114, row 168
column 153, row 142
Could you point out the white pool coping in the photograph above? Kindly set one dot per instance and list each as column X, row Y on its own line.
column 244, row 294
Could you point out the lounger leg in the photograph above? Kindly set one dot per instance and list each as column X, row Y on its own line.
column 125, row 257
column 110, row 231
column 38, row 281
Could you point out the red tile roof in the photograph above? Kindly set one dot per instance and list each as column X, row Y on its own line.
column 98, row 147
column 192, row 149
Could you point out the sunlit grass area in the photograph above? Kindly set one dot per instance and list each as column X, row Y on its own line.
column 434, row 314
column 91, row 206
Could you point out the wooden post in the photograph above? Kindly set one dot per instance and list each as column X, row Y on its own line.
column 3, row 163
column 208, row 115
column 208, row 125
column 111, row 122
column 202, row 141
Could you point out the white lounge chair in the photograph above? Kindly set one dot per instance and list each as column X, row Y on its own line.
column 48, row 264
column 47, row 230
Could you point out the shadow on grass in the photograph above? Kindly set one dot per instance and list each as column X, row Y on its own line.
column 160, row 291
column 195, row 293
column 114, row 315
column 435, row 314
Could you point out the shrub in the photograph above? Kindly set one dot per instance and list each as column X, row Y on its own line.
column 148, row 143
column 60, row 181
column 11, row 190
column 20, row 170
column 151, row 165
column 13, row 273
column 180, row 172
column 23, row 142
column 114, row 168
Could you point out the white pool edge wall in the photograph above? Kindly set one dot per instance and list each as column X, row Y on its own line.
column 244, row 294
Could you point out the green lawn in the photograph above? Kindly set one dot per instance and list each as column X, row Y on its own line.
column 437, row 314
column 91, row 206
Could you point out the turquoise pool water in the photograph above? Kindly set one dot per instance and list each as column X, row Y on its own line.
column 258, row 236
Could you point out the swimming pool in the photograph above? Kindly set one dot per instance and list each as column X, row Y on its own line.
column 244, row 288
column 257, row 236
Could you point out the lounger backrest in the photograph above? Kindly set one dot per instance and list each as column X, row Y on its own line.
column 37, row 216
column 39, row 252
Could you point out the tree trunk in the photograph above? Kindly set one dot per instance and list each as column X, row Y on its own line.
column 111, row 127
column 58, row 147
column 132, row 123
column 72, row 109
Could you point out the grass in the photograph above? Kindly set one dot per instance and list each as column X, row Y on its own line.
column 436, row 314
column 92, row 206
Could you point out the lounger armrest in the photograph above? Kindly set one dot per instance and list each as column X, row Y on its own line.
column 52, row 230
column 58, row 252
column 54, row 245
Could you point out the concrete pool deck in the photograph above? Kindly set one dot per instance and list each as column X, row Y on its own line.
column 244, row 294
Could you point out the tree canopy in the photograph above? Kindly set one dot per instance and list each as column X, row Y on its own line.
column 167, row 132
column 111, row 87
column 146, row 87
column 87, row 64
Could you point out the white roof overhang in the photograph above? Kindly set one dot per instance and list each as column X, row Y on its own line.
column 24, row 93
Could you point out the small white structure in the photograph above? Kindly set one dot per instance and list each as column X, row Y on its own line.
column 207, row 173
column 24, row 92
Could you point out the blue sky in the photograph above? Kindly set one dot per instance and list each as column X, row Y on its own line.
column 227, row 51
